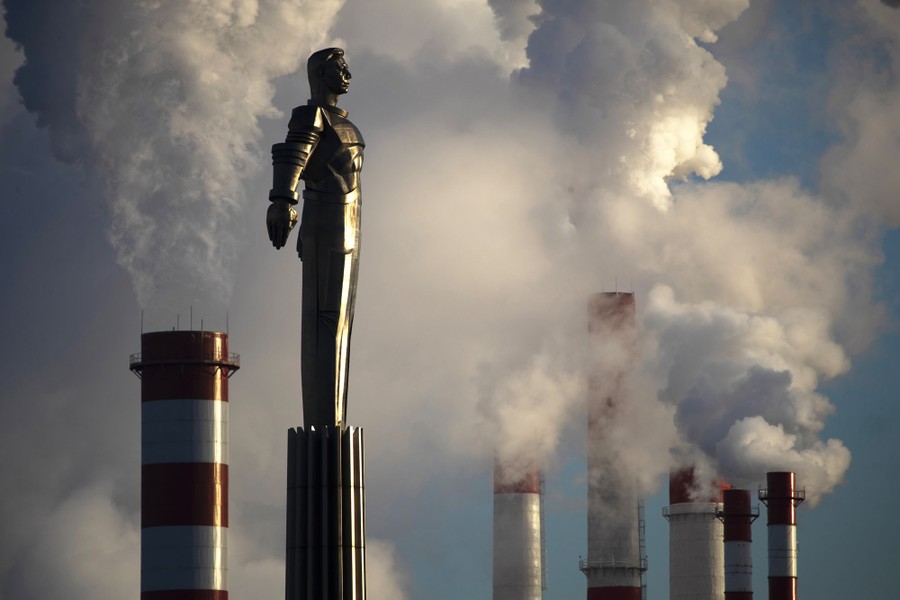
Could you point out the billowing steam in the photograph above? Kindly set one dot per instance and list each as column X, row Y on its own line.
column 632, row 85
column 515, row 18
column 743, row 290
column 160, row 101
column 628, row 93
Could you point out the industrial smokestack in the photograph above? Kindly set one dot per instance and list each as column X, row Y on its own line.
column 781, row 498
column 184, row 463
column 615, row 561
column 737, row 516
column 518, row 524
column 696, row 553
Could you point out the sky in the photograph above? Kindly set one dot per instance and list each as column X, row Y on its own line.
column 732, row 163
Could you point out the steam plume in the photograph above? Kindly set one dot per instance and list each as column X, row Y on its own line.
column 160, row 101
column 747, row 290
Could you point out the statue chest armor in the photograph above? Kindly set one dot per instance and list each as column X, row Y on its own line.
column 337, row 160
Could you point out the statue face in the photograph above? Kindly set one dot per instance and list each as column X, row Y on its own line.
column 336, row 76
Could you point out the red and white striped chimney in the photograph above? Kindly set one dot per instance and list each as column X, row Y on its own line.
column 615, row 564
column 738, row 516
column 518, row 552
column 781, row 497
column 184, row 464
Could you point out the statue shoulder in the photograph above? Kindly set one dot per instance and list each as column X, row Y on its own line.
column 307, row 117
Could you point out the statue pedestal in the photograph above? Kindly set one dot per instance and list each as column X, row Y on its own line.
column 326, row 516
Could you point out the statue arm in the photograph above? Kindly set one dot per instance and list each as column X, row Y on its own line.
column 288, row 161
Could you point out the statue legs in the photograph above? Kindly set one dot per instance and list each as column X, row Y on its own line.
column 329, row 238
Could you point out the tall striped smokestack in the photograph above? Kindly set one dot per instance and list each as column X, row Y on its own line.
column 614, row 565
column 781, row 497
column 184, row 464
column 696, row 553
column 737, row 516
column 518, row 552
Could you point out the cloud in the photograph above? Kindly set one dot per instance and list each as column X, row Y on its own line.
column 83, row 539
column 428, row 31
column 863, row 104
column 515, row 18
column 631, row 82
column 385, row 580
column 724, row 366
column 160, row 103
column 740, row 286
column 754, row 445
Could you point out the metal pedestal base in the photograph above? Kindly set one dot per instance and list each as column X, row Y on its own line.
column 326, row 517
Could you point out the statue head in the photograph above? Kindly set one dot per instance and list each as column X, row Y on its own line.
column 328, row 73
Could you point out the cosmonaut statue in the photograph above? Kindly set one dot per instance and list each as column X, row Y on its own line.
column 324, row 149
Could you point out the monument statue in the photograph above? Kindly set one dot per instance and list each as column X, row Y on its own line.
column 325, row 526
column 325, row 150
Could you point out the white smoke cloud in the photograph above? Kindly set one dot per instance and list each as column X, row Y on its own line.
column 255, row 572
column 761, row 288
column 637, row 429
column 528, row 409
column 634, row 86
column 864, row 105
column 753, row 446
column 82, row 545
column 162, row 106
column 428, row 31
column 756, row 284
column 385, row 578
column 595, row 69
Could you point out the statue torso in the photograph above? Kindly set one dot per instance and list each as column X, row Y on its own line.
column 336, row 162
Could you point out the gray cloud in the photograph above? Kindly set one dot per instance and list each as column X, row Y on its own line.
column 515, row 18
column 50, row 37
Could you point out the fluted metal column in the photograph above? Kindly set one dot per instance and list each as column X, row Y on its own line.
column 326, row 521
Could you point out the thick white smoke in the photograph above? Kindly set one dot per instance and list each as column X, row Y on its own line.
column 161, row 103
column 591, row 172
column 747, row 293
column 743, row 385
column 612, row 105
column 630, row 94
column 749, row 285
column 631, row 84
